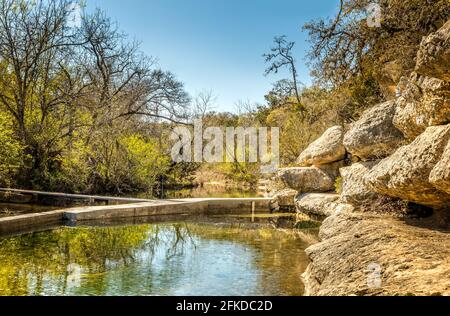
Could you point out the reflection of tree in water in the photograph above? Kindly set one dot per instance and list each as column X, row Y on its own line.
column 146, row 256
column 27, row 261
column 174, row 236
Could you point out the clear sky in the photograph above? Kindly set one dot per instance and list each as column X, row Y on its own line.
column 217, row 44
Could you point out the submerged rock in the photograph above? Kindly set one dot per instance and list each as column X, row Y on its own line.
column 374, row 136
column 433, row 58
column 423, row 102
column 405, row 174
column 354, row 190
column 307, row 179
column 326, row 149
column 363, row 254
column 320, row 204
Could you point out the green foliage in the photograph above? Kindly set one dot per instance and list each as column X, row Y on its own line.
column 346, row 47
column 11, row 151
column 240, row 172
column 81, row 108
column 145, row 163
column 298, row 128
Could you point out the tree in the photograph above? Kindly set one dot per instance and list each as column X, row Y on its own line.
column 65, row 86
column 11, row 151
column 348, row 47
column 280, row 56
column 202, row 104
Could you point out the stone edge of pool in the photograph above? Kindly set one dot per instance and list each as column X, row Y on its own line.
column 47, row 220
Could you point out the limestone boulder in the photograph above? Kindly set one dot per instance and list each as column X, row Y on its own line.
column 326, row 149
column 405, row 173
column 423, row 102
column 374, row 135
column 270, row 187
column 332, row 169
column 433, row 58
column 283, row 201
column 363, row 254
column 319, row 204
column 354, row 190
column 440, row 175
column 307, row 179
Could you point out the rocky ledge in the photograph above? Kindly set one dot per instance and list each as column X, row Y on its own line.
column 387, row 228
column 367, row 254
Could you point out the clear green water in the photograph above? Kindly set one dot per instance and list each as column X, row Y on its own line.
column 216, row 257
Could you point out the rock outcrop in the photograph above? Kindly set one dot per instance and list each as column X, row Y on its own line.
column 318, row 204
column 440, row 175
column 405, row 174
column 306, row 179
column 283, row 201
column 363, row 254
column 373, row 242
column 354, row 189
column 433, row 58
column 326, row 149
column 374, row 136
column 423, row 102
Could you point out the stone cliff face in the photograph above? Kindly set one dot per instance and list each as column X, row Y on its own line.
column 423, row 102
column 366, row 254
column 433, row 58
column 405, row 174
column 388, row 231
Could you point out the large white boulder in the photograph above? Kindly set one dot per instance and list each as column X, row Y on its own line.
column 405, row 174
column 374, row 136
column 307, row 179
column 319, row 204
column 354, row 190
column 326, row 149
column 433, row 58
column 423, row 102
column 440, row 175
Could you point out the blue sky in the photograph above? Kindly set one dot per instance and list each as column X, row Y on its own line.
column 217, row 44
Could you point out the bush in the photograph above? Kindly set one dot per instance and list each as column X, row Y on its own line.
column 11, row 152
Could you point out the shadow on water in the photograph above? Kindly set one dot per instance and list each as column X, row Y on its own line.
column 209, row 256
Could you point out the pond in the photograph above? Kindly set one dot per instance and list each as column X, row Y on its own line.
column 212, row 256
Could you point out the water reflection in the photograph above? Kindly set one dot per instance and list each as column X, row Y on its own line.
column 154, row 259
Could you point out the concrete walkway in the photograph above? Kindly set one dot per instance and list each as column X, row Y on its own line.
column 74, row 197
column 72, row 216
